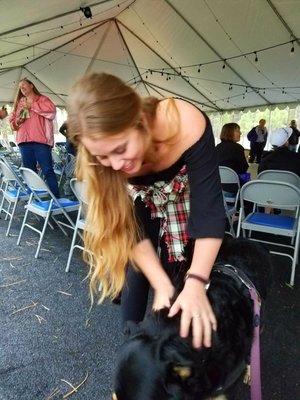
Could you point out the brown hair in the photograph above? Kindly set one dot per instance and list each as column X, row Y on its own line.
column 19, row 93
column 102, row 105
column 227, row 132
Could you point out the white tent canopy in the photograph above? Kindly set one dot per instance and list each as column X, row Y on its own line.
column 52, row 43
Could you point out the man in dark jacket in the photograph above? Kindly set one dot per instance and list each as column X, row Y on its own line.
column 294, row 138
column 258, row 139
column 281, row 158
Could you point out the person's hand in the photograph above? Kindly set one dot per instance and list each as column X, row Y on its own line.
column 163, row 296
column 196, row 312
column 20, row 121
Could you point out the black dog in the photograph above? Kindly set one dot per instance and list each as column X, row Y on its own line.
column 157, row 364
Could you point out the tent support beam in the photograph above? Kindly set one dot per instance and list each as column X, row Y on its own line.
column 153, row 85
column 213, row 49
column 131, row 56
column 171, row 66
column 282, row 20
column 62, row 45
column 49, row 40
column 50, row 18
column 98, row 49
column 26, row 69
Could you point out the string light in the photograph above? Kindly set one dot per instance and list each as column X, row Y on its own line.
column 256, row 58
column 224, row 65
column 199, row 68
column 292, row 48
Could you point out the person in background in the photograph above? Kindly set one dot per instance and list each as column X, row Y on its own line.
column 3, row 112
column 32, row 119
column 294, row 138
column 258, row 139
column 281, row 158
column 69, row 146
column 230, row 153
column 169, row 222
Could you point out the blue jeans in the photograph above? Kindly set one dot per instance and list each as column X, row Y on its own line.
column 33, row 153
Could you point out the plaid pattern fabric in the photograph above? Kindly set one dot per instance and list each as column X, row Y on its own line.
column 169, row 201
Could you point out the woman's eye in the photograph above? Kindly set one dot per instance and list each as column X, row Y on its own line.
column 121, row 150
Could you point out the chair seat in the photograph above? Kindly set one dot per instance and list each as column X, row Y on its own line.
column 65, row 203
column 13, row 193
column 271, row 220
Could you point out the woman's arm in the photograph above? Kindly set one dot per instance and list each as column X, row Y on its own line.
column 45, row 107
column 196, row 309
column 147, row 260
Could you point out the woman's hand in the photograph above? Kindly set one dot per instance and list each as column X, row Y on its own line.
column 19, row 121
column 163, row 296
column 196, row 311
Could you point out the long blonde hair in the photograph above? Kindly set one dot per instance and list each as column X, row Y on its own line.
column 19, row 94
column 102, row 105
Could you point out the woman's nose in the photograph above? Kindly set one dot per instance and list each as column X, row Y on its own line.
column 116, row 163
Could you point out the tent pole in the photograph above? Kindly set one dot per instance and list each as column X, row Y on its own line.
column 98, row 48
column 131, row 56
column 212, row 48
column 49, row 19
column 171, row 66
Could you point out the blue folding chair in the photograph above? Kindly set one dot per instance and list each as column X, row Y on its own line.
column 45, row 208
column 271, row 194
column 280, row 176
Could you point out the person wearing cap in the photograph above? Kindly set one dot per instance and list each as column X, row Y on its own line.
column 281, row 158
column 258, row 139
column 294, row 138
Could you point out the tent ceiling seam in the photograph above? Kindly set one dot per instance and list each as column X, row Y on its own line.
column 92, row 61
column 158, row 55
column 26, row 69
column 283, row 21
column 50, row 18
column 131, row 56
column 62, row 45
column 213, row 49
column 48, row 40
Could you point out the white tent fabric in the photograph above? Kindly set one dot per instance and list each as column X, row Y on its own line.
column 52, row 43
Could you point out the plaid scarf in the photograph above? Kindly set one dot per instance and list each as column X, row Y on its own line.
column 169, row 201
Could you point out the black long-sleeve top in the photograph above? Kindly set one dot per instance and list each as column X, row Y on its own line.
column 206, row 217
column 231, row 154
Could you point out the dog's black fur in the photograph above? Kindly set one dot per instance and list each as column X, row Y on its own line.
column 157, row 364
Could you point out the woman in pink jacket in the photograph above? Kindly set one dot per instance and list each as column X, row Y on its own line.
column 32, row 119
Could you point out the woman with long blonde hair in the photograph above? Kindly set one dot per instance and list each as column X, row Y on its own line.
column 155, row 199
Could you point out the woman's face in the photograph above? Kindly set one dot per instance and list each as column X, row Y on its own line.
column 237, row 135
column 26, row 88
column 122, row 152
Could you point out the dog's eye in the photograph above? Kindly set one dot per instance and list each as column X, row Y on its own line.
column 183, row 372
column 114, row 396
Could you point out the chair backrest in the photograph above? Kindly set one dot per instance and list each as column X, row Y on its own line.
column 280, row 176
column 271, row 194
column 228, row 175
column 79, row 188
column 9, row 173
column 34, row 181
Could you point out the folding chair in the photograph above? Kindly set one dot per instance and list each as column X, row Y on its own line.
column 229, row 176
column 278, row 195
column 79, row 190
column 13, row 192
column 280, row 176
column 45, row 208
